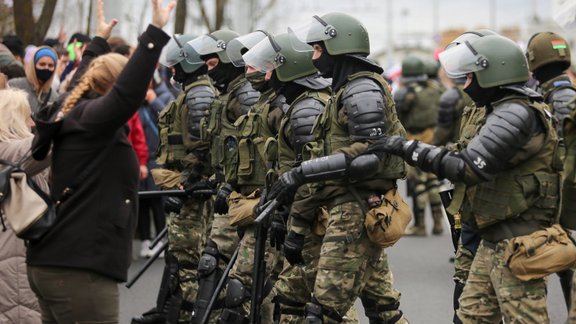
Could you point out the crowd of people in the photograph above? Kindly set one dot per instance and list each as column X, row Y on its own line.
column 282, row 155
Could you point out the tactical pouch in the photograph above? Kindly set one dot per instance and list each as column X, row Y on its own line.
column 241, row 208
column 386, row 223
column 245, row 157
column 321, row 223
column 540, row 254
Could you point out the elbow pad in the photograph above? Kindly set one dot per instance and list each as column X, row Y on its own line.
column 325, row 168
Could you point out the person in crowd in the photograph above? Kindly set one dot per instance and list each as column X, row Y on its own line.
column 18, row 304
column 15, row 45
column 89, row 249
column 39, row 75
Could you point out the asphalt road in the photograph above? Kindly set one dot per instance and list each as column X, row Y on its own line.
column 422, row 273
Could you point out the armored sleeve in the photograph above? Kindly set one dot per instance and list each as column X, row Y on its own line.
column 364, row 104
column 198, row 101
column 511, row 133
column 302, row 118
column 246, row 96
column 559, row 102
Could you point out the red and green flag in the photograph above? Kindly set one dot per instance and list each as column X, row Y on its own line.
column 559, row 44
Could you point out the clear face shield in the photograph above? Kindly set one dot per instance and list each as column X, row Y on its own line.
column 314, row 31
column 462, row 59
column 240, row 45
column 207, row 44
column 264, row 56
column 172, row 53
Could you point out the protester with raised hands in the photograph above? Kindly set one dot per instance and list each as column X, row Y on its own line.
column 74, row 269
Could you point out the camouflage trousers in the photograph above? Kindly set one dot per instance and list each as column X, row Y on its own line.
column 462, row 264
column 351, row 266
column 295, row 284
column 425, row 187
column 493, row 292
column 187, row 232
column 243, row 270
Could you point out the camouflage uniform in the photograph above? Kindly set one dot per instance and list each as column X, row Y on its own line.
column 182, row 150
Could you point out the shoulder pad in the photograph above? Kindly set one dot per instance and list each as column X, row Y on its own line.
column 563, row 94
column 308, row 106
column 280, row 102
column 361, row 85
column 365, row 106
column 450, row 97
column 313, row 81
column 524, row 90
column 560, row 100
column 302, row 119
column 200, row 97
column 247, row 96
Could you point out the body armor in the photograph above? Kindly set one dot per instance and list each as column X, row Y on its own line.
column 417, row 107
column 179, row 123
column 452, row 104
column 557, row 93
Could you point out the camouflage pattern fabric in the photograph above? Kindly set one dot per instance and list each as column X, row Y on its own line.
column 492, row 292
column 187, row 233
column 462, row 264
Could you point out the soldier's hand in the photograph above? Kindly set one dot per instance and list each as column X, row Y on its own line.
column 172, row 204
column 387, row 144
column 220, row 203
column 200, row 190
column 293, row 246
column 285, row 188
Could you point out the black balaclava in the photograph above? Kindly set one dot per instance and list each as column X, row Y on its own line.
column 549, row 71
column 258, row 81
column 276, row 84
column 483, row 96
column 223, row 73
column 325, row 63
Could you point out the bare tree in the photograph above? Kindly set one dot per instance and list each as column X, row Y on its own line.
column 219, row 10
column 32, row 31
column 180, row 15
column 6, row 19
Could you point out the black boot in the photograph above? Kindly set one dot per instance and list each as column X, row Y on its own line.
column 152, row 316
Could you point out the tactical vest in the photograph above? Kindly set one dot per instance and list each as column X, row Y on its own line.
column 223, row 134
column 173, row 129
column 464, row 102
column 530, row 190
column 287, row 156
column 332, row 136
column 255, row 136
column 423, row 109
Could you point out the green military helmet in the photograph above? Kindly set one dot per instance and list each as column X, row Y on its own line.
column 340, row 32
column 240, row 45
column 495, row 60
column 545, row 48
column 177, row 51
column 214, row 43
column 431, row 67
column 470, row 35
column 284, row 53
column 413, row 69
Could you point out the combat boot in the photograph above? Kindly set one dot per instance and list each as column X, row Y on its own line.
column 437, row 216
column 419, row 228
column 152, row 316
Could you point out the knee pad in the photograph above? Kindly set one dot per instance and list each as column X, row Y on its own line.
column 373, row 310
column 209, row 260
column 289, row 307
column 236, row 294
column 315, row 313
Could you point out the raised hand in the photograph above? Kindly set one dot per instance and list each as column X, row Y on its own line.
column 160, row 15
column 103, row 29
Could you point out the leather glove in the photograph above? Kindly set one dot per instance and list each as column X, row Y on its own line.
column 285, row 188
column 278, row 229
column 388, row 144
column 204, row 185
column 172, row 204
column 293, row 246
column 220, row 203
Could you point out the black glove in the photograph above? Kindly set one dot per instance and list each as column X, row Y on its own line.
column 293, row 246
column 220, row 203
column 388, row 144
column 278, row 229
column 201, row 190
column 285, row 188
column 172, row 204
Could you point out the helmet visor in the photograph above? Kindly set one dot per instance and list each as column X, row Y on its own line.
column 468, row 36
column 264, row 56
column 240, row 45
column 314, row 31
column 461, row 60
column 207, row 44
column 297, row 44
column 172, row 53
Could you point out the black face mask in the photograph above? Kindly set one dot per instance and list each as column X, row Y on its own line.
column 258, row 80
column 43, row 74
column 480, row 96
column 276, row 84
column 179, row 74
column 219, row 75
column 325, row 64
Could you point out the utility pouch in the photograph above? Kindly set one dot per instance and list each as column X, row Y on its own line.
column 241, row 208
column 387, row 219
column 540, row 254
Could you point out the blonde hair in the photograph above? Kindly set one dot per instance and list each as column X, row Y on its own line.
column 99, row 77
column 15, row 111
column 30, row 70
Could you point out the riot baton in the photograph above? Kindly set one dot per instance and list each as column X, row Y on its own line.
column 159, row 237
column 454, row 220
column 220, row 285
column 176, row 193
column 259, row 272
column 147, row 265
